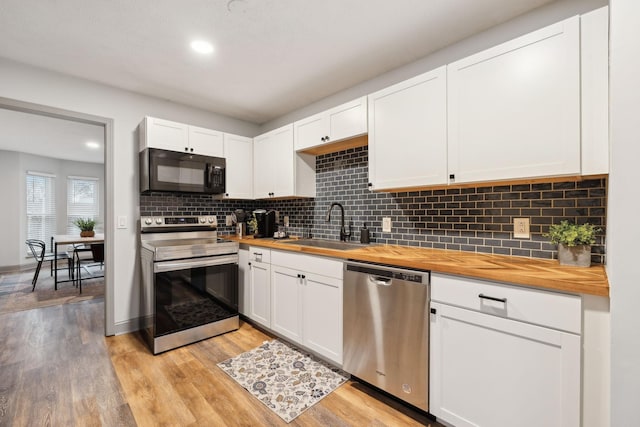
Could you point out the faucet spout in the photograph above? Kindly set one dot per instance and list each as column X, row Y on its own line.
column 344, row 235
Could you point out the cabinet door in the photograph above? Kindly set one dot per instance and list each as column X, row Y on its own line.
column 286, row 288
column 311, row 132
column 260, row 305
column 244, row 282
column 514, row 109
column 322, row 315
column 282, row 161
column 490, row 371
column 594, row 44
column 206, row 142
column 166, row 135
column 408, row 133
column 347, row 120
column 238, row 151
column 263, row 171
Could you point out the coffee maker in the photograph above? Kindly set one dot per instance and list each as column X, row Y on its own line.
column 266, row 223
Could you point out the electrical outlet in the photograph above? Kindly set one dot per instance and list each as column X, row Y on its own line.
column 521, row 228
column 386, row 225
column 227, row 220
column 286, row 220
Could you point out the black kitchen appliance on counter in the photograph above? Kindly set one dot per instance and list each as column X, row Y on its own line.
column 266, row 223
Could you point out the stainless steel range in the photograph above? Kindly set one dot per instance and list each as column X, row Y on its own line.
column 189, row 280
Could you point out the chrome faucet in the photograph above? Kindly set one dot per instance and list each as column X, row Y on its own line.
column 344, row 235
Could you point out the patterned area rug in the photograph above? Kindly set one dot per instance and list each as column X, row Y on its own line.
column 287, row 381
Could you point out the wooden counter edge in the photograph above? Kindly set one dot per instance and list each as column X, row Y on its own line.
column 537, row 273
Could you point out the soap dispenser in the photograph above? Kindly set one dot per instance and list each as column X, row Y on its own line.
column 364, row 234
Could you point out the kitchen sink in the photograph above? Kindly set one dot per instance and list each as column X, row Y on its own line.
column 327, row 244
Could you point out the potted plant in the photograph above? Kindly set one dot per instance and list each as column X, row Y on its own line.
column 86, row 226
column 574, row 242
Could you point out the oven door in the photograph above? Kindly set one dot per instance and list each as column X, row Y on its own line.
column 163, row 170
column 194, row 292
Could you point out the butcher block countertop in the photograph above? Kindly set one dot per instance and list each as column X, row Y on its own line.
column 539, row 273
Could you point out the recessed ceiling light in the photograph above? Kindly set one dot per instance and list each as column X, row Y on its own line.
column 201, row 46
column 92, row 144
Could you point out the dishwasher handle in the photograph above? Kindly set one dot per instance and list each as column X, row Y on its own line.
column 379, row 280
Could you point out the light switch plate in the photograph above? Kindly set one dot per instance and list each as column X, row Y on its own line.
column 386, row 225
column 521, row 228
column 228, row 221
column 286, row 220
column 122, row 221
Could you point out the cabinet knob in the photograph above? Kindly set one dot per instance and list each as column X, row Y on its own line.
column 186, row 148
column 326, row 138
column 226, row 194
column 303, row 276
column 369, row 184
column 192, row 150
column 322, row 139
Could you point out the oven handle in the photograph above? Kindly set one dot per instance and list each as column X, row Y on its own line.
column 184, row 264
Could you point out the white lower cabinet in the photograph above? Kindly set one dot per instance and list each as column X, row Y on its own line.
column 244, row 282
column 322, row 315
column 487, row 369
column 306, row 302
column 260, row 286
column 286, row 303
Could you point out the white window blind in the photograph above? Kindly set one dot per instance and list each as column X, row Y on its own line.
column 82, row 200
column 41, row 206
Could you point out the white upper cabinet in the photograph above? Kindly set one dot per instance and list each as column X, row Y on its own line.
column 408, row 133
column 238, row 152
column 594, row 41
column 206, row 142
column 174, row 136
column 514, row 109
column 345, row 121
column 163, row 134
column 278, row 170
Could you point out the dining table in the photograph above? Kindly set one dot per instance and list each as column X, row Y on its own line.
column 70, row 239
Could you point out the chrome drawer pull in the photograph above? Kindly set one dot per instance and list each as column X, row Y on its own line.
column 504, row 300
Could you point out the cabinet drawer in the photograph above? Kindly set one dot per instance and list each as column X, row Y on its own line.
column 308, row 263
column 259, row 254
column 551, row 309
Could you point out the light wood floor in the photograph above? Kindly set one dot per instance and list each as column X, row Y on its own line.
column 57, row 369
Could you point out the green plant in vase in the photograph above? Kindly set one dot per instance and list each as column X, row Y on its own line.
column 574, row 242
column 86, row 226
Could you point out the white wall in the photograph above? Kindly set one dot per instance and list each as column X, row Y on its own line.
column 624, row 205
column 11, row 247
column 545, row 15
column 14, row 167
column 29, row 84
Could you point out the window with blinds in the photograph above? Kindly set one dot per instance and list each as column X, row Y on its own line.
column 82, row 200
column 41, row 206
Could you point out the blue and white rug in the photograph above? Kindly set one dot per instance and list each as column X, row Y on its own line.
column 286, row 380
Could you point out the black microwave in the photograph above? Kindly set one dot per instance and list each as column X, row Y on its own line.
column 163, row 170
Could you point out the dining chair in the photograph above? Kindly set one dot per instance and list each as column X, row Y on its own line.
column 95, row 259
column 38, row 250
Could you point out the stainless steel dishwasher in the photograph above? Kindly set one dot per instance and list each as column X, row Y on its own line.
column 386, row 329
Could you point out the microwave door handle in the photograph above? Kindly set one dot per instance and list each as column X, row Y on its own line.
column 208, row 169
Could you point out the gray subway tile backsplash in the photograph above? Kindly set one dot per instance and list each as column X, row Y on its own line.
column 476, row 219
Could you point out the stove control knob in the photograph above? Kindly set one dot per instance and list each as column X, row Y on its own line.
column 158, row 221
column 210, row 220
column 202, row 220
column 148, row 221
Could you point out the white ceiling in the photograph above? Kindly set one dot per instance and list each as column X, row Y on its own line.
column 271, row 56
column 50, row 137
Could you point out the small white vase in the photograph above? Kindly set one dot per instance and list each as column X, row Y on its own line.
column 577, row 256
